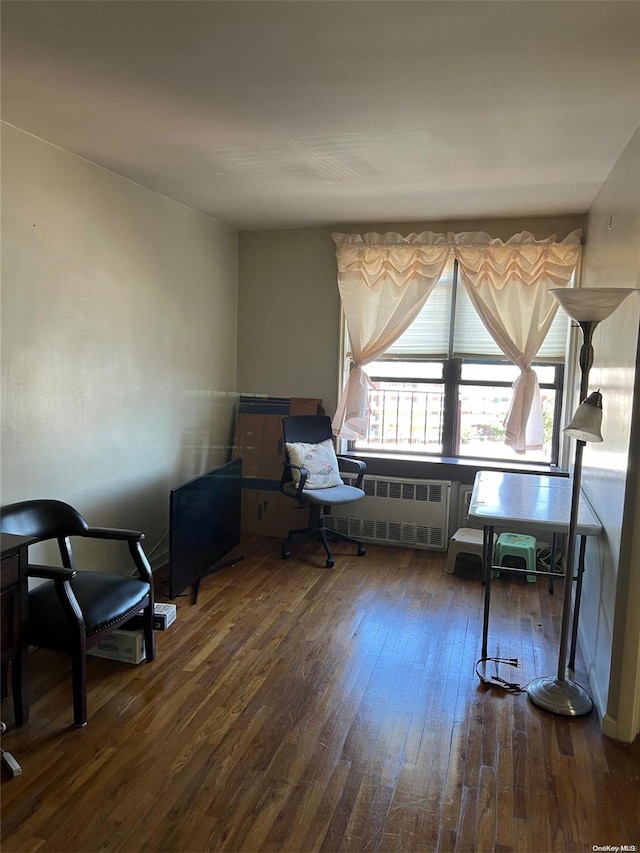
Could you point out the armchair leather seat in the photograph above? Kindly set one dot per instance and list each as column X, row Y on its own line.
column 70, row 610
column 104, row 600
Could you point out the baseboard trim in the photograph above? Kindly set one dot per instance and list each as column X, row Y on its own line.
column 609, row 726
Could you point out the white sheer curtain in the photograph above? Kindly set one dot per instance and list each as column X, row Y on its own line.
column 508, row 285
column 384, row 280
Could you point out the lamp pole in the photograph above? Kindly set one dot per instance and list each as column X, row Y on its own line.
column 560, row 695
column 588, row 307
column 585, row 361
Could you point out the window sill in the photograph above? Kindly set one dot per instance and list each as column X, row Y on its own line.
column 443, row 467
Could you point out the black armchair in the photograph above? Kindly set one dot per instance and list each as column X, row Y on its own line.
column 311, row 476
column 73, row 610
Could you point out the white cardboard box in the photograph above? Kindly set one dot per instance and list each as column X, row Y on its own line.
column 163, row 616
column 125, row 646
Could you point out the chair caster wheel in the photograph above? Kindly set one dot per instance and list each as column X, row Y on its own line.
column 285, row 552
column 329, row 564
column 361, row 551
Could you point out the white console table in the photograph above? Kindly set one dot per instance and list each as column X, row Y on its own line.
column 524, row 503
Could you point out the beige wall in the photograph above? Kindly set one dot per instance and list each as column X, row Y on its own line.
column 289, row 308
column 609, row 618
column 118, row 338
column 288, row 314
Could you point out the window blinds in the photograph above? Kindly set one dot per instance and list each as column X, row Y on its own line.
column 429, row 334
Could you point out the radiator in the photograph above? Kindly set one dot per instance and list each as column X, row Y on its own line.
column 396, row 511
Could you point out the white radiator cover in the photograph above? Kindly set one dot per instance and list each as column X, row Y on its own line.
column 397, row 511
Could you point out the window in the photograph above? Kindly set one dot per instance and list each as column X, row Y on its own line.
column 444, row 387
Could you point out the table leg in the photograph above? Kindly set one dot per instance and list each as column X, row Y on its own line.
column 576, row 604
column 552, row 558
column 20, row 687
column 487, row 561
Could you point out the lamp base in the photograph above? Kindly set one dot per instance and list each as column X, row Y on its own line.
column 559, row 697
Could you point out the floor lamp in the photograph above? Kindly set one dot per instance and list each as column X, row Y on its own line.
column 587, row 306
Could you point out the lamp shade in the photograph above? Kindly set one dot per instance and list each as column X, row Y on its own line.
column 586, row 423
column 590, row 304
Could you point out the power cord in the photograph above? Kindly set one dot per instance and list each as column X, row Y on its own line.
column 7, row 759
column 157, row 545
column 149, row 554
column 544, row 558
column 496, row 680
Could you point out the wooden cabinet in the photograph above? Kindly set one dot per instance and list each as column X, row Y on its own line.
column 259, row 442
column 14, row 603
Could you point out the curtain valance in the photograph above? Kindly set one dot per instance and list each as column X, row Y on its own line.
column 374, row 258
column 522, row 258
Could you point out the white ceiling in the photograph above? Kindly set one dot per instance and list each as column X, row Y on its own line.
column 269, row 114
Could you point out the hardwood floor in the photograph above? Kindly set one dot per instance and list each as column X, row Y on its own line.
column 299, row 708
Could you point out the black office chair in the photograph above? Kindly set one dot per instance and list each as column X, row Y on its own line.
column 311, row 476
column 73, row 610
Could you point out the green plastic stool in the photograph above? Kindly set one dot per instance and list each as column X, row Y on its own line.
column 516, row 546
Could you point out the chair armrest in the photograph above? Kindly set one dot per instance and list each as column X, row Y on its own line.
column 113, row 533
column 356, row 464
column 141, row 562
column 133, row 539
column 61, row 577
column 50, row 573
column 303, row 477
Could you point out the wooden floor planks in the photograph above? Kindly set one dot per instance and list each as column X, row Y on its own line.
column 297, row 708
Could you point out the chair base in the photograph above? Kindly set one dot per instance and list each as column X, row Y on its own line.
column 317, row 530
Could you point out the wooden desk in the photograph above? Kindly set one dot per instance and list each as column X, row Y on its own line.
column 524, row 503
column 14, row 612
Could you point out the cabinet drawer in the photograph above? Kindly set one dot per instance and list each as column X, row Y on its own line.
column 9, row 571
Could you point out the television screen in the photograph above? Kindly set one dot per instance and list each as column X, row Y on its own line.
column 204, row 525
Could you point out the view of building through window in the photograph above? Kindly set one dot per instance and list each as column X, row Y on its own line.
column 409, row 416
column 482, row 409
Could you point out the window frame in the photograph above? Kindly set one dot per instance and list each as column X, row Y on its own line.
column 452, row 382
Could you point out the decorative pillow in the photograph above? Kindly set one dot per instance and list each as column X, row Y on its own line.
column 320, row 462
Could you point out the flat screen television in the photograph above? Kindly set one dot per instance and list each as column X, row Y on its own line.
column 204, row 526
